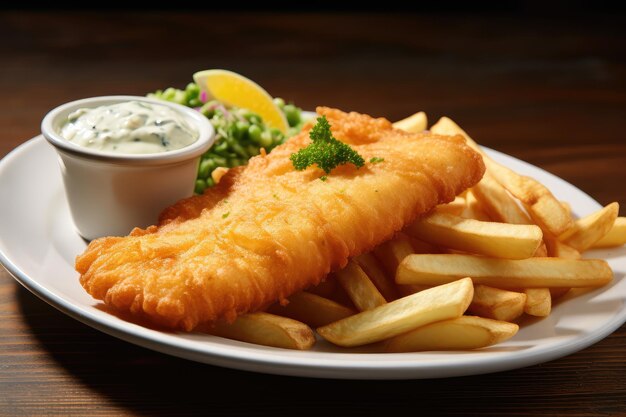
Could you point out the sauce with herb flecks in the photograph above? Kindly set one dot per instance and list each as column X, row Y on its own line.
column 132, row 127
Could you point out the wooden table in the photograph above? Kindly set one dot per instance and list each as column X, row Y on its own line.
column 551, row 91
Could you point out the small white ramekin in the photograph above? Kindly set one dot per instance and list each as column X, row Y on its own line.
column 109, row 193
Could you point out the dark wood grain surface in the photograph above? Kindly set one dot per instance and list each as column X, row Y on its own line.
column 549, row 90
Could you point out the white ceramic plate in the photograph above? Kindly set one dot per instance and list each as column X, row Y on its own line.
column 38, row 245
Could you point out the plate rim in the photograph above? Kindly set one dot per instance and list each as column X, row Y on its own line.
column 241, row 358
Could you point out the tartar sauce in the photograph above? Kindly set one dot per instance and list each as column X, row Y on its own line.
column 132, row 127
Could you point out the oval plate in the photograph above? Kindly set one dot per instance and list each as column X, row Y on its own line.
column 38, row 245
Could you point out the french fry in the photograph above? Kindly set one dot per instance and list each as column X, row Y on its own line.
column 496, row 303
column 538, row 302
column 498, row 203
column 473, row 208
column 545, row 210
column 359, row 287
column 374, row 270
column 461, row 333
column 541, row 251
column 500, row 240
column 567, row 207
column 445, row 126
column 558, row 249
column 413, row 124
column 267, row 329
column 392, row 252
column 311, row 309
column 419, row 246
column 504, row 273
column 399, row 316
column 590, row 229
column 615, row 237
column 454, row 207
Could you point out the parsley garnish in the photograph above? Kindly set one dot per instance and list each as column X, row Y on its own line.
column 323, row 178
column 376, row 160
column 225, row 214
column 324, row 150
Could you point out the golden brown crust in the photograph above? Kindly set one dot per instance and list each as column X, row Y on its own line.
column 267, row 231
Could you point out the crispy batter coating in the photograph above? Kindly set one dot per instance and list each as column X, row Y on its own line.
column 267, row 231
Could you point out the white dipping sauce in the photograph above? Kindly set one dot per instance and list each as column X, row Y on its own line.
column 133, row 127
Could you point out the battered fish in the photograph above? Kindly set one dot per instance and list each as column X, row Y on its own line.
column 267, row 230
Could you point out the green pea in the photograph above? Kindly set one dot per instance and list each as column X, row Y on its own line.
column 201, row 185
column 277, row 135
column 205, row 168
column 254, row 133
column 254, row 119
column 242, row 130
column 194, row 102
column 192, row 89
column 179, row 97
column 266, row 139
column 210, row 182
column 169, row 93
column 279, row 102
column 232, row 133
column 292, row 113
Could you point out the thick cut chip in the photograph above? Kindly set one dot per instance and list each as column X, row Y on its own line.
column 473, row 208
column 359, row 287
column 590, row 229
column 538, row 302
column 374, row 270
column 500, row 240
column 312, row 309
column 267, row 329
column 558, row 249
column 392, row 252
column 496, row 303
column 414, row 124
column 397, row 317
column 615, row 237
column 504, row 273
column 462, row 333
column 498, row 203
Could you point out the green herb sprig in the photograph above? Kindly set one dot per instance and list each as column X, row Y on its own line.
column 325, row 151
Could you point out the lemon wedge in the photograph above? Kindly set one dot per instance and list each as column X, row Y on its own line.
column 234, row 89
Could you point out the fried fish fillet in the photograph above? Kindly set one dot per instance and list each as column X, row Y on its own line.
column 267, row 230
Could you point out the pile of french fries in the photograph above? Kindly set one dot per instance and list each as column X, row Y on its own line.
column 459, row 278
